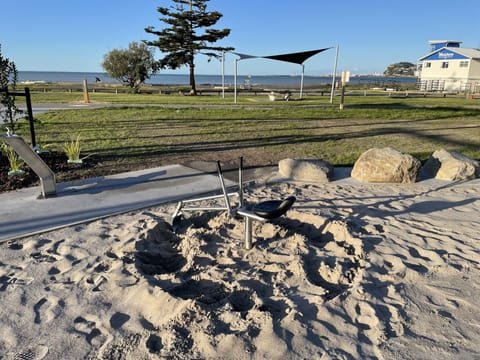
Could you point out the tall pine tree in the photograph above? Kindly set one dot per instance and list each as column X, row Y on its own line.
column 188, row 32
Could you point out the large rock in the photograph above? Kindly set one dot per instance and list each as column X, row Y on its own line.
column 315, row 170
column 386, row 165
column 451, row 166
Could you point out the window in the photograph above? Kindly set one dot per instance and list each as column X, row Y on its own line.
column 464, row 63
column 427, row 64
column 445, row 65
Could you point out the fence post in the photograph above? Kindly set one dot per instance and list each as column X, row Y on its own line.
column 30, row 117
column 85, row 92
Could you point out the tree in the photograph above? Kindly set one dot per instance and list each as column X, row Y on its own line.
column 131, row 66
column 8, row 77
column 189, row 32
column 402, row 68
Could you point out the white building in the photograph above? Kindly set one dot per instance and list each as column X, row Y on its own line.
column 449, row 68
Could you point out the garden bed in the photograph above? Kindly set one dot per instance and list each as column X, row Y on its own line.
column 57, row 161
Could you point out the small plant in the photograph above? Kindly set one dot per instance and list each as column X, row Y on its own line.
column 41, row 149
column 72, row 150
column 16, row 163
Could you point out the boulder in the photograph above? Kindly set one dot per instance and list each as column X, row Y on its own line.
column 451, row 166
column 386, row 165
column 315, row 170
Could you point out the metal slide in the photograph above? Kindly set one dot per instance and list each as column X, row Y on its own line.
column 32, row 159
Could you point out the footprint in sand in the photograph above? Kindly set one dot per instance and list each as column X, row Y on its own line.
column 393, row 265
column 118, row 320
column 97, row 281
column 57, row 248
column 394, row 325
column 13, row 280
column 47, row 309
column 15, row 246
column 89, row 329
column 337, row 262
column 157, row 252
column 100, row 277
column 154, row 344
column 43, row 257
column 368, row 321
column 204, row 291
column 35, row 353
column 124, row 348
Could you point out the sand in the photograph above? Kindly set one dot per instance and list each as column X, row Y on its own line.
column 354, row 271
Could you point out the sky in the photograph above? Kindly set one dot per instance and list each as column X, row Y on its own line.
column 74, row 35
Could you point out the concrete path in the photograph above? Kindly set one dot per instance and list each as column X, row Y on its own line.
column 22, row 214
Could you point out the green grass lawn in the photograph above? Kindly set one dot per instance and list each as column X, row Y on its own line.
column 210, row 127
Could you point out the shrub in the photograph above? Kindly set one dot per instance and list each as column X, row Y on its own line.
column 14, row 160
column 72, row 149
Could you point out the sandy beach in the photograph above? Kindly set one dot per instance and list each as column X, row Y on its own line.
column 354, row 271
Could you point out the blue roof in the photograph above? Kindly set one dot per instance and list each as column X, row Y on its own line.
column 452, row 53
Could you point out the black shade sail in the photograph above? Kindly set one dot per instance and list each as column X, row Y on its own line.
column 245, row 56
column 297, row 57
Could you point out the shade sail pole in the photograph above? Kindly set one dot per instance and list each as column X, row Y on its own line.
column 334, row 76
column 235, row 82
column 301, row 81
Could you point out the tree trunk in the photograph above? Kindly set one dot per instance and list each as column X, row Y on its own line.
column 193, row 87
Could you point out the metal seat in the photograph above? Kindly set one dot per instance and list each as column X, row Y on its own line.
column 273, row 209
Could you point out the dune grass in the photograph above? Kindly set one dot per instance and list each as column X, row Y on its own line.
column 154, row 133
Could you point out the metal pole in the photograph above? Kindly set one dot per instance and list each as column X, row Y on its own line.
column 28, row 100
column 240, row 182
column 223, row 74
column 334, row 76
column 235, row 82
column 248, row 233
column 301, row 83
column 224, row 189
column 342, row 97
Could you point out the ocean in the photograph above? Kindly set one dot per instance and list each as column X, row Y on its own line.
column 183, row 79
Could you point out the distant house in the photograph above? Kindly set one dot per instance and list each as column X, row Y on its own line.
column 449, row 68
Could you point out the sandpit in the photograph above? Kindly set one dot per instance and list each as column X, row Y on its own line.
column 353, row 271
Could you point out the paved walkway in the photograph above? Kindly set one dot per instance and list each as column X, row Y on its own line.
column 22, row 214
